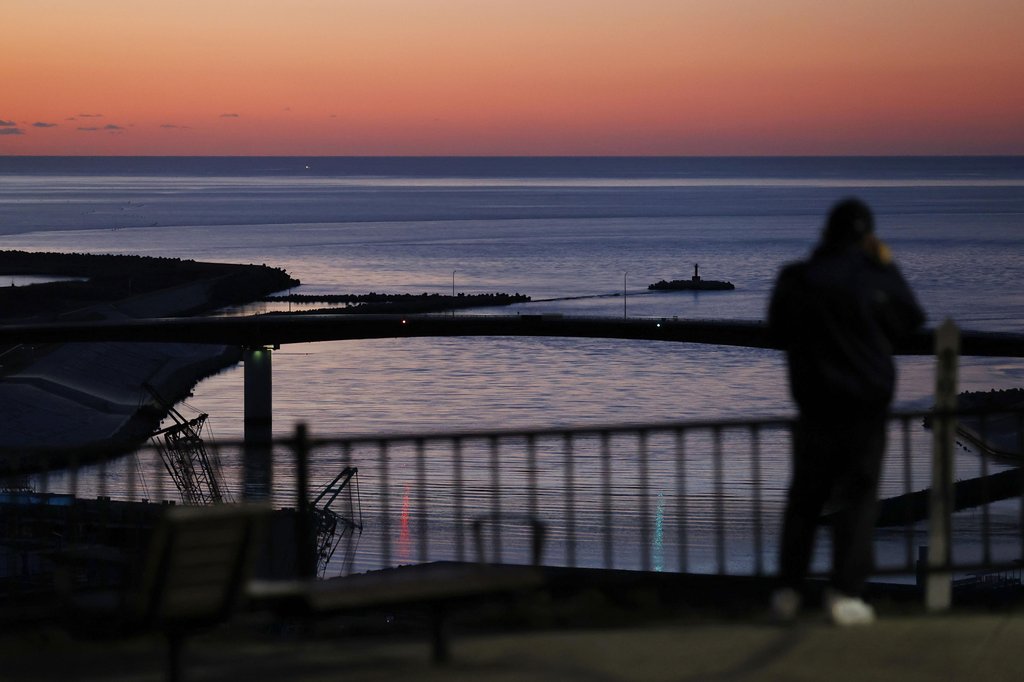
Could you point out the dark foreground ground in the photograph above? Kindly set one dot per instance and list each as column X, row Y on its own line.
column 904, row 646
column 584, row 625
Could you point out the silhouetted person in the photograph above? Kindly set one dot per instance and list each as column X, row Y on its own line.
column 838, row 315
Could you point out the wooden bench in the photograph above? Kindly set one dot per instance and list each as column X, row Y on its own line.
column 440, row 586
column 198, row 561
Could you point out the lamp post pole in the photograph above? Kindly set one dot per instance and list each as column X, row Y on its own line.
column 624, row 295
column 453, row 293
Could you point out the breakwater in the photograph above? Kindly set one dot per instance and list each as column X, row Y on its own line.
column 375, row 303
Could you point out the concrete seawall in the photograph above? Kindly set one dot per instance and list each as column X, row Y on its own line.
column 85, row 398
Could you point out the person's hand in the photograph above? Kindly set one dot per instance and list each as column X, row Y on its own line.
column 877, row 249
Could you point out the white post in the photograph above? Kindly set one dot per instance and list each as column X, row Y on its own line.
column 939, row 585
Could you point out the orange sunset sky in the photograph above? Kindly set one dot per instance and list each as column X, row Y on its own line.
column 397, row 77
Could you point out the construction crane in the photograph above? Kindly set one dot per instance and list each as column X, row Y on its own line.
column 331, row 526
column 183, row 453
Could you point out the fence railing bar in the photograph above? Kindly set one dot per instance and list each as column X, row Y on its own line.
column 422, row 502
column 910, row 555
column 101, row 475
column 357, row 504
column 483, row 434
column 44, row 477
column 756, row 485
column 495, row 449
column 159, row 475
column 570, row 499
column 986, row 521
column 74, row 478
column 596, row 431
column 76, row 512
column 630, row 467
column 646, row 545
column 305, row 537
column 460, row 508
column 531, row 475
column 385, row 501
column 960, row 567
column 719, row 496
column 681, row 511
column 606, row 500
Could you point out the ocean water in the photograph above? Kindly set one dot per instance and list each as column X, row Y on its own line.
column 581, row 236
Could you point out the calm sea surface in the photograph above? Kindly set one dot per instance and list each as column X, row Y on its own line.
column 581, row 236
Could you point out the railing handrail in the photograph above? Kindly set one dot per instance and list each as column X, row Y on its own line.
column 28, row 459
column 718, row 509
column 315, row 440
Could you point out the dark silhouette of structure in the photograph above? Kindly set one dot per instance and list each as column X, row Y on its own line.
column 695, row 283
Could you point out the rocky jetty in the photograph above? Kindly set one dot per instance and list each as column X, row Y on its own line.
column 376, row 303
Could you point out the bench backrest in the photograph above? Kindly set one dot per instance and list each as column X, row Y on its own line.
column 198, row 563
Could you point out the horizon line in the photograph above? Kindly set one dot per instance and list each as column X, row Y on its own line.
column 516, row 156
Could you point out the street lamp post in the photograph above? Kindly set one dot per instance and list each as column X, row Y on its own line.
column 453, row 293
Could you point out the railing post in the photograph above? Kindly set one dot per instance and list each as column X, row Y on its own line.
column 258, row 422
column 307, row 557
column 938, row 586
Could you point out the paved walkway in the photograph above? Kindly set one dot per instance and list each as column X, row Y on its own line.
column 907, row 648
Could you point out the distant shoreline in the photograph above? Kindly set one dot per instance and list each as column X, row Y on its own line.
column 98, row 280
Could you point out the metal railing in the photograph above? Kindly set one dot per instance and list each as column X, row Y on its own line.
column 697, row 497
column 690, row 497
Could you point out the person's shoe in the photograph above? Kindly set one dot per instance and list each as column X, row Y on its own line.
column 785, row 604
column 846, row 611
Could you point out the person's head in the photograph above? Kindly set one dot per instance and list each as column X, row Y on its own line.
column 849, row 223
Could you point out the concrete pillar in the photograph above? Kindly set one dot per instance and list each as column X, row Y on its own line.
column 258, row 465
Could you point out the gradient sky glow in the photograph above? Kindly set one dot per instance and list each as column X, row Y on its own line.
column 395, row 77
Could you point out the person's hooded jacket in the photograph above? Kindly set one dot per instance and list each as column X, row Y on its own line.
column 838, row 316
